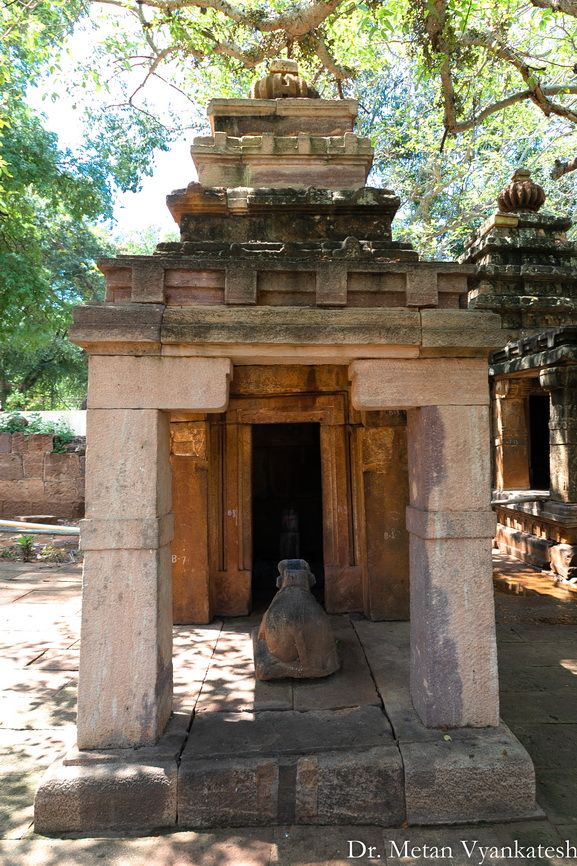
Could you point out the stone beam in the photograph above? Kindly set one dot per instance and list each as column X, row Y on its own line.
column 158, row 382
column 413, row 382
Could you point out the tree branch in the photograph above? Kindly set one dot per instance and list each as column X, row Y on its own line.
column 562, row 167
column 300, row 21
column 569, row 7
column 536, row 92
column 501, row 104
column 328, row 61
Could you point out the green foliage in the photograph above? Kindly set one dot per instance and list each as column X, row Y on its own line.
column 445, row 194
column 13, row 422
column 25, row 545
column 52, row 201
column 144, row 241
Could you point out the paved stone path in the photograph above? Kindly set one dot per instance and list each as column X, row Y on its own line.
column 39, row 621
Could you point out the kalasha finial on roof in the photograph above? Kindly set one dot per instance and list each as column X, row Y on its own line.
column 283, row 81
column 522, row 193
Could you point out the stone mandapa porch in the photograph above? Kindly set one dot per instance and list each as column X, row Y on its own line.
column 349, row 749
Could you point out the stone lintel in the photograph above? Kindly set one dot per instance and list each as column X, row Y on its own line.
column 128, row 534
column 155, row 382
column 461, row 328
column 411, row 383
column 451, row 524
column 290, row 325
column 308, row 333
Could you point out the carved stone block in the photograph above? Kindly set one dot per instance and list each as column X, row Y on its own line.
column 295, row 638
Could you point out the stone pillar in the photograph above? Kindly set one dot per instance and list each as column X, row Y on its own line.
column 125, row 680
column 561, row 382
column 453, row 649
column 511, row 439
column 190, row 558
column 454, row 679
column 382, row 455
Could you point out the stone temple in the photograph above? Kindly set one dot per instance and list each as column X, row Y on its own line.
column 288, row 381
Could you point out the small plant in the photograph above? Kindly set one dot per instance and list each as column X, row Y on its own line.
column 8, row 553
column 26, row 547
column 13, row 422
column 51, row 553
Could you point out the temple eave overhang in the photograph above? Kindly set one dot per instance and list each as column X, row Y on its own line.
column 281, row 333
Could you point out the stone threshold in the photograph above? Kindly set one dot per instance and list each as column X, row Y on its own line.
column 346, row 750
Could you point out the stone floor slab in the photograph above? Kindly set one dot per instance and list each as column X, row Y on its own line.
column 351, row 686
column 285, row 732
column 539, row 707
column 550, row 746
column 557, row 794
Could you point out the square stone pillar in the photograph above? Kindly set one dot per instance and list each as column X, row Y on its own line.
column 511, row 435
column 125, row 680
column 454, row 679
column 561, row 382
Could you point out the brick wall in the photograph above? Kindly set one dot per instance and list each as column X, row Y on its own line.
column 33, row 480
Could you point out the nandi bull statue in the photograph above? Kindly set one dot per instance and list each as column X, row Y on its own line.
column 295, row 638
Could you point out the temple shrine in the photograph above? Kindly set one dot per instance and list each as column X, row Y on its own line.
column 288, row 381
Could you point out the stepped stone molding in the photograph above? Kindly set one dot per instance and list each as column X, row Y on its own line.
column 269, row 160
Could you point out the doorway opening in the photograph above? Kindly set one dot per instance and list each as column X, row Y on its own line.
column 287, row 517
column 539, row 476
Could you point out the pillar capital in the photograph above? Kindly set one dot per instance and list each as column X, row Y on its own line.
column 558, row 378
column 409, row 383
column 513, row 389
column 166, row 382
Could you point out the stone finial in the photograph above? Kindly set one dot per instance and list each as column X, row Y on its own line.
column 522, row 193
column 283, row 81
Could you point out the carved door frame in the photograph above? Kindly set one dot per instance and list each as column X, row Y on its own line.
column 230, row 502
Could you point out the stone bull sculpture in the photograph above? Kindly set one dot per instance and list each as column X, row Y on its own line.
column 295, row 638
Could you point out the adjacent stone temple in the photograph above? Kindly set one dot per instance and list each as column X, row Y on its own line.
column 289, row 381
column 526, row 271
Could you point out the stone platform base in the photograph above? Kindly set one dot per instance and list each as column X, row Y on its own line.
column 348, row 749
column 523, row 546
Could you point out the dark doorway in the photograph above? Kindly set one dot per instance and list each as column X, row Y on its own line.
column 287, row 519
column 539, row 436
